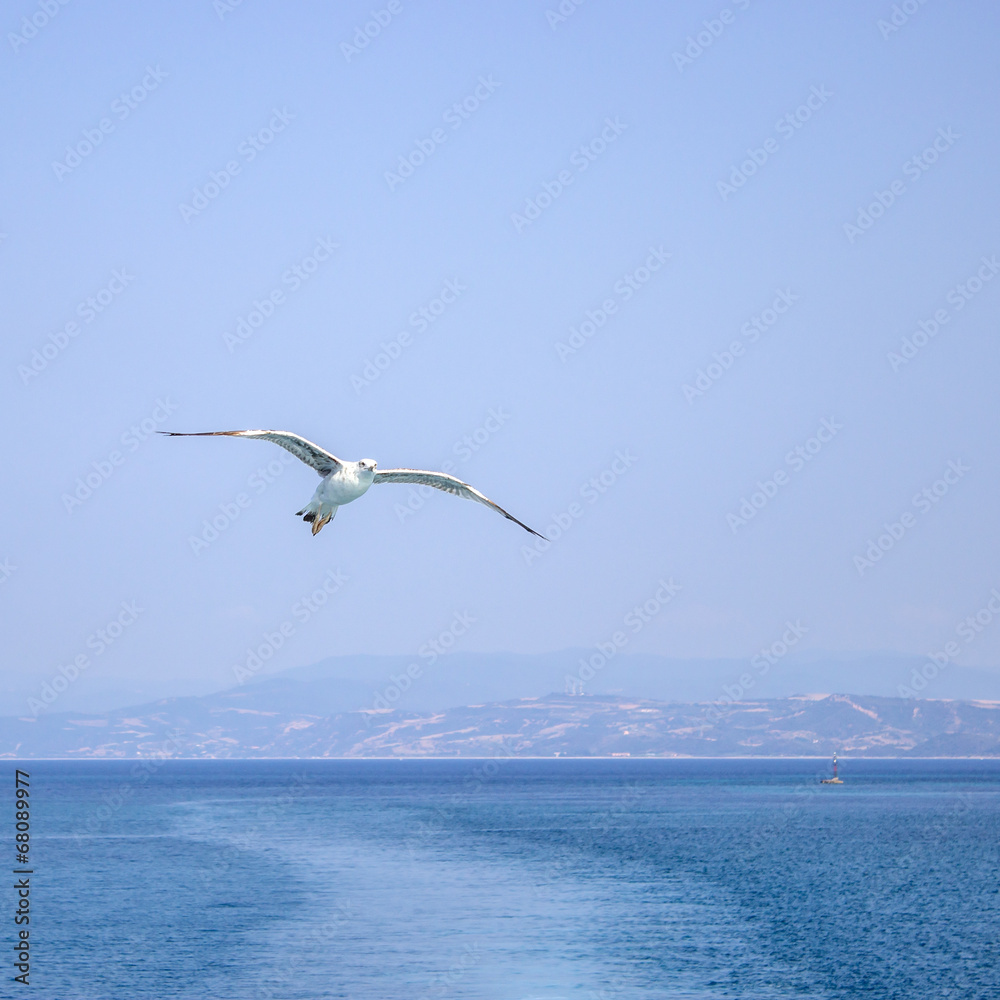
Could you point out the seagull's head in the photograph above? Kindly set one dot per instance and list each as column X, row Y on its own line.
column 367, row 465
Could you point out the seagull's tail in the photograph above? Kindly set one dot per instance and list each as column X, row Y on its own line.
column 318, row 515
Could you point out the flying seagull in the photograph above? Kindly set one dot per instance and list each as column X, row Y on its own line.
column 346, row 481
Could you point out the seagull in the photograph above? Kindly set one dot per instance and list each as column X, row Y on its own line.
column 343, row 481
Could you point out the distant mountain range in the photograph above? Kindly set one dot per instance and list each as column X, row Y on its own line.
column 268, row 720
column 435, row 683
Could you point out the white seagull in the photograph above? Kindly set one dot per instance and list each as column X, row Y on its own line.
column 343, row 481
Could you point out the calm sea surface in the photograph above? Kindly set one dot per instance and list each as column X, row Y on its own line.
column 511, row 879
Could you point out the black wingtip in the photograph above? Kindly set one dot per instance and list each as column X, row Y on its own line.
column 201, row 434
column 526, row 528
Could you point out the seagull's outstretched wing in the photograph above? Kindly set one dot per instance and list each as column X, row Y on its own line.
column 312, row 454
column 442, row 481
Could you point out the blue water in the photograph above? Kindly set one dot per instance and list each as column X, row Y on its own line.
column 513, row 879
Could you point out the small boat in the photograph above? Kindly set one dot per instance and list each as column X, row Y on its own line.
column 834, row 780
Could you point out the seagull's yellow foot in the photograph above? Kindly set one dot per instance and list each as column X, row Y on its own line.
column 319, row 522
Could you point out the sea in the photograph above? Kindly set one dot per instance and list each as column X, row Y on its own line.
column 514, row 879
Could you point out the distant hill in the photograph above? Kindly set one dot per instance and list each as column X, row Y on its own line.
column 351, row 683
column 246, row 722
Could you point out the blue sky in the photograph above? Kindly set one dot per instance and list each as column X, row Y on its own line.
column 796, row 221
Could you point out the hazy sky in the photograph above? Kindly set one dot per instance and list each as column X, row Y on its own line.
column 704, row 293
